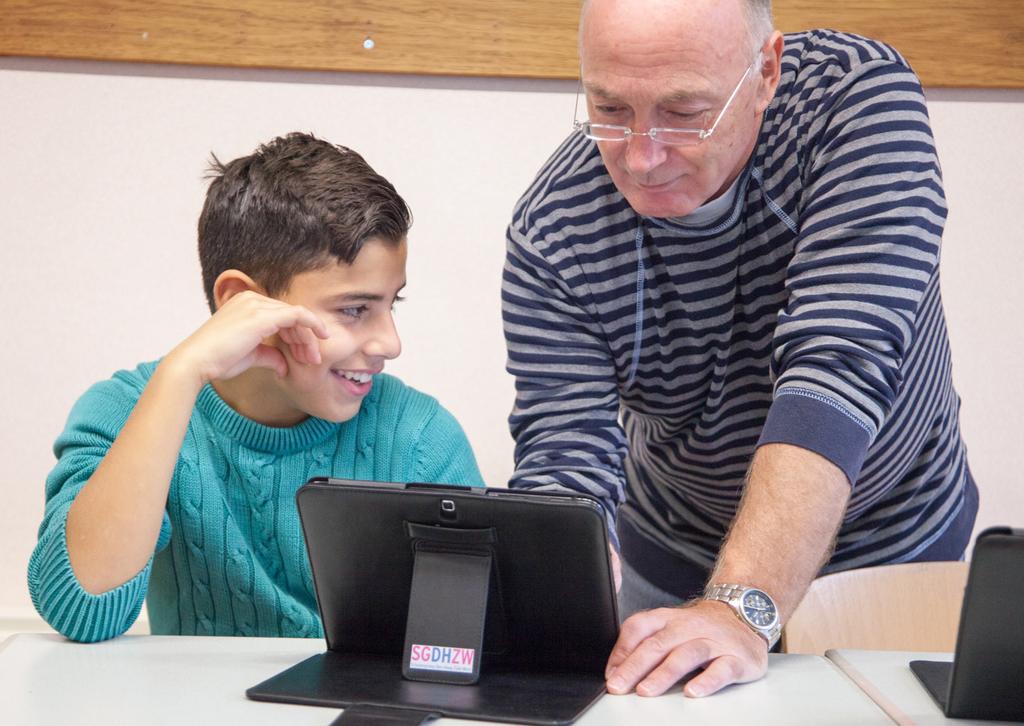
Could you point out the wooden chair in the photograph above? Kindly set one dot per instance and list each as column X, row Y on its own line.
column 913, row 607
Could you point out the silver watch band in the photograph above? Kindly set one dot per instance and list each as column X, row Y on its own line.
column 732, row 596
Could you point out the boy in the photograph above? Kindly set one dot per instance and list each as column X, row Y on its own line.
column 197, row 457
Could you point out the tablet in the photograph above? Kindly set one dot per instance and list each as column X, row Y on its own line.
column 986, row 678
column 549, row 620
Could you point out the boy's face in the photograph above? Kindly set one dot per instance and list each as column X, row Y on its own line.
column 355, row 302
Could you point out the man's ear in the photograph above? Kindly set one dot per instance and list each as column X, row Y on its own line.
column 232, row 282
column 771, row 70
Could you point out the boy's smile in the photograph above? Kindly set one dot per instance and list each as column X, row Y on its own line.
column 357, row 382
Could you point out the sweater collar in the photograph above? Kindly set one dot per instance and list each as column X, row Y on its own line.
column 257, row 436
column 712, row 217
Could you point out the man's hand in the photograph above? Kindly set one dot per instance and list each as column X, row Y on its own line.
column 616, row 562
column 791, row 509
column 232, row 341
column 657, row 648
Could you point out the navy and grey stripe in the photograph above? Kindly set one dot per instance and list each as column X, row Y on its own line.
column 652, row 357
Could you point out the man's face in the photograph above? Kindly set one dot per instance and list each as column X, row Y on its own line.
column 355, row 302
column 669, row 64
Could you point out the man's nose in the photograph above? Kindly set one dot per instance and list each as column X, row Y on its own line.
column 643, row 154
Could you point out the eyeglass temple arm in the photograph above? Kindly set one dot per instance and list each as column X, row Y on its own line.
column 728, row 102
column 576, row 105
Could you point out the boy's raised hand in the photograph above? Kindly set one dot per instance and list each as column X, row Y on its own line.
column 233, row 340
column 115, row 520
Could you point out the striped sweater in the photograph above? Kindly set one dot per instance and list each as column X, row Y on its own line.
column 230, row 558
column 653, row 356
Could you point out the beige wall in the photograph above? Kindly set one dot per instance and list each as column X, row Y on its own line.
column 101, row 182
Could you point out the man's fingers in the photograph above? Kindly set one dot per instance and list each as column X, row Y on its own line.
column 634, row 631
column 616, row 563
column 645, row 657
column 721, row 672
column 677, row 664
column 674, row 642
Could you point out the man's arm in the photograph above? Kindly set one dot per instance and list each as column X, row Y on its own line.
column 565, row 419
column 788, row 519
column 783, row 533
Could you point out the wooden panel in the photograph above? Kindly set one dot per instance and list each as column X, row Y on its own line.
column 880, row 608
column 977, row 43
column 454, row 37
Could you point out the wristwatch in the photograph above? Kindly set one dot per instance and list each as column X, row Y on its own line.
column 754, row 607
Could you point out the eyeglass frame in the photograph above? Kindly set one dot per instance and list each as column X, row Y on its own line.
column 699, row 135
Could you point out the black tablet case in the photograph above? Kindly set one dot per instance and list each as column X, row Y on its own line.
column 551, row 617
column 986, row 678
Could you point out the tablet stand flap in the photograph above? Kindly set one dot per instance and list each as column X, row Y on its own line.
column 447, row 611
column 362, row 714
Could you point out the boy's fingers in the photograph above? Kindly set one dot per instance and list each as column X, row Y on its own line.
column 303, row 343
column 311, row 322
column 294, row 343
column 310, row 352
column 267, row 356
column 295, row 317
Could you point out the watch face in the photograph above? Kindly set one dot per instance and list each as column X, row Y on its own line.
column 758, row 609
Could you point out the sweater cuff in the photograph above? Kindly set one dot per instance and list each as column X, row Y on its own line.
column 71, row 610
column 820, row 424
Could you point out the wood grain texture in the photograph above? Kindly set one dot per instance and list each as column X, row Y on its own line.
column 449, row 37
column 966, row 43
column 971, row 43
column 911, row 607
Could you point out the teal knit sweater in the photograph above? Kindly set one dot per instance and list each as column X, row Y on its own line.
column 230, row 558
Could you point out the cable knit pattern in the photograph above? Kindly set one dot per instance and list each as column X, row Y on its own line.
column 230, row 558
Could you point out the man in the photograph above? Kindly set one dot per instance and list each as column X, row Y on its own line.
column 736, row 257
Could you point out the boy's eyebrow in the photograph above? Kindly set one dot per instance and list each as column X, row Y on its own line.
column 358, row 296
column 353, row 296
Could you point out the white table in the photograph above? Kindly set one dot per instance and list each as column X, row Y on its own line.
column 886, row 677
column 45, row 679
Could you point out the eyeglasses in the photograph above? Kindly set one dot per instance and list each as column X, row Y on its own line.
column 668, row 136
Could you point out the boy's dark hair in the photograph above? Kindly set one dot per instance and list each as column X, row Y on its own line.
column 296, row 204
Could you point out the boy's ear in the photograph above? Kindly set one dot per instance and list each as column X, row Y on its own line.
column 231, row 282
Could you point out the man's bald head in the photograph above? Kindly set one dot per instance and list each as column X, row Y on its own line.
column 758, row 15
